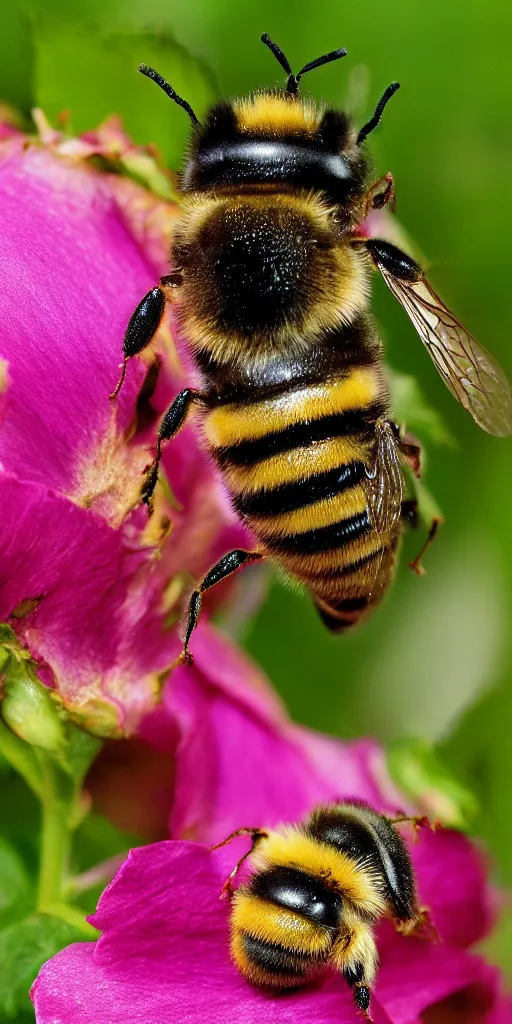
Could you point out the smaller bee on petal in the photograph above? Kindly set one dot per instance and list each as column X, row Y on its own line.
column 315, row 893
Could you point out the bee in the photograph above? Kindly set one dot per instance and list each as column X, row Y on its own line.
column 314, row 895
column 271, row 281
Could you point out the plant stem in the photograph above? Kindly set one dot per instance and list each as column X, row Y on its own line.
column 55, row 840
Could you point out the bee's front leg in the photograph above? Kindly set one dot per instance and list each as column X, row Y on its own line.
column 146, row 320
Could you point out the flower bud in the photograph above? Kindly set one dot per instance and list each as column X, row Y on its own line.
column 29, row 711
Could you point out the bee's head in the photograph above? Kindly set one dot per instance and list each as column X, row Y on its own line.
column 276, row 139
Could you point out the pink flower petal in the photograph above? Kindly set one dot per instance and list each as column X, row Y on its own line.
column 96, row 627
column 238, row 756
column 452, row 884
column 416, row 973
column 70, row 276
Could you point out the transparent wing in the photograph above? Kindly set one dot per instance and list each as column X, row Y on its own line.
column 384, row 482
column 468, row 370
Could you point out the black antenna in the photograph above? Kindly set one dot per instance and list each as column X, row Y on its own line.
column 379, row 110
column 168, row 89
column 292, row 85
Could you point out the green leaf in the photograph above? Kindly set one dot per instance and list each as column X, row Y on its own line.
column 411, row 408
column 16, row 56
column 24, row 947
column 419, row 771
column 15, row 887
column 93, row 74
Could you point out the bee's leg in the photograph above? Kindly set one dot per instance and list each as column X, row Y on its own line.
column 169, row 427
column 362, row 995
column 416, row 565
column 225, row 567
column 256, row 834
column 416, row 820
column 145, row 321
column 381, row 193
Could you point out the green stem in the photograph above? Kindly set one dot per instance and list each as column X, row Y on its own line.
column 55, row 840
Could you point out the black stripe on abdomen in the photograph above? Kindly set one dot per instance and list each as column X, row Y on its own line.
column 290, row 497
column 299, row 435
column 274, row 958
column 347, row 570
column 326, row 538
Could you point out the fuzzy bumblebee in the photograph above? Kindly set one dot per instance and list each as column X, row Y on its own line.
column 315, row 892
column 271, row 283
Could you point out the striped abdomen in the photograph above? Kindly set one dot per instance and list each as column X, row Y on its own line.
column 295, row 464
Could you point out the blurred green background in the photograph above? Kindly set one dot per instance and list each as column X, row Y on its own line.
column 436, row 660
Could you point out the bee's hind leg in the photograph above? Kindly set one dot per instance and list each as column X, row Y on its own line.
column 411, row 451
column 410, row 516
column 225, row 567
column 416, row 565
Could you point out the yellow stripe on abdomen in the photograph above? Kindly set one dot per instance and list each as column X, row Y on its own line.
column 295, row 465
column 230, row 424
column 311, row 517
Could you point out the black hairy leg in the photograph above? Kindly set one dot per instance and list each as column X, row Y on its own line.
column 169, row 427
column 354, row 975
column 145, row 321
column 256, row 834
column 226, row 566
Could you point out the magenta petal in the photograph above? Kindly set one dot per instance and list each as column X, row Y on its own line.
column 240, row 761
column 96, row 629
column 163, row 956
column 502, row 1012
column 70, row 275
column 415, row 974
column 452, row 884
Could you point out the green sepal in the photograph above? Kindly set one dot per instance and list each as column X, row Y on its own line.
column 417, row 768
column 29, row 711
